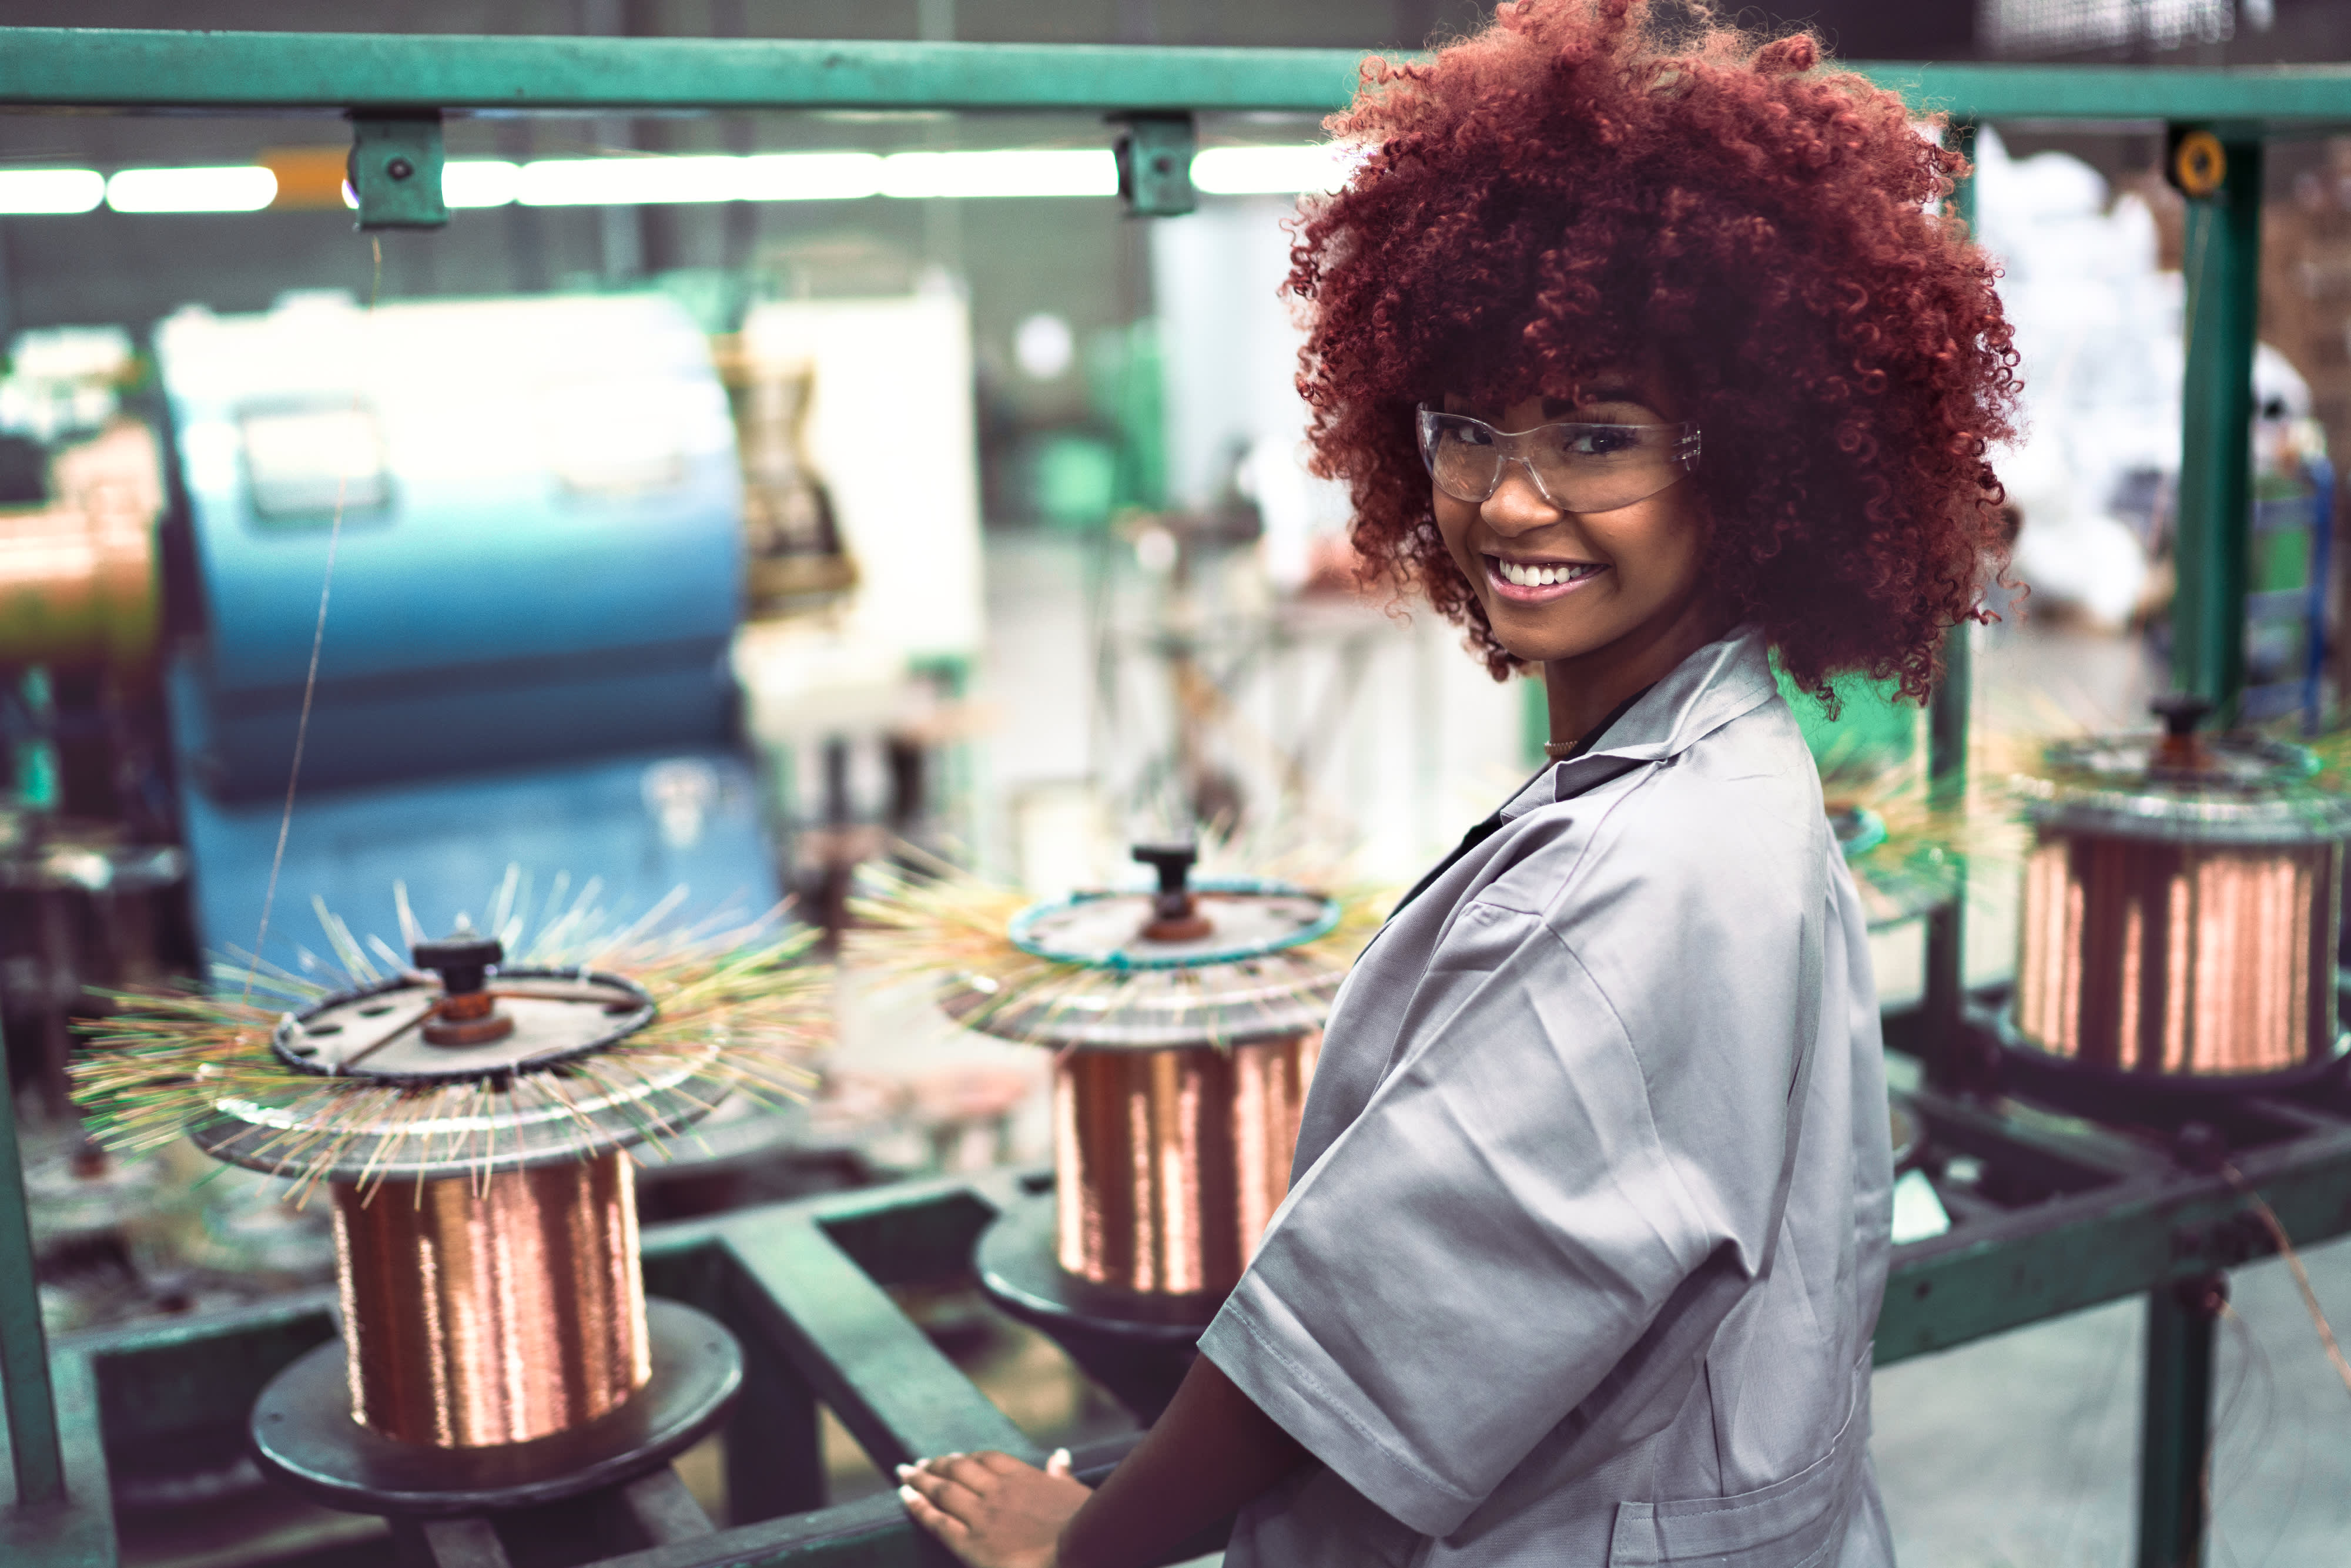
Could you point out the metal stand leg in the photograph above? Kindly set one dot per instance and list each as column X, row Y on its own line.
column 24, row 1347
column 1947, row 789
column 774, row 1466
column 2176, row 1451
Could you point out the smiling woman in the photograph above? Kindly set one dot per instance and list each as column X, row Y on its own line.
column 1574, row 192
column 1645, row 357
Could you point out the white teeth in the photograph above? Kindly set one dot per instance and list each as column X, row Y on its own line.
column 1529, row 576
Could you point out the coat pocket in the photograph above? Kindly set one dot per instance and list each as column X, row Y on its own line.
column 1798, row 1522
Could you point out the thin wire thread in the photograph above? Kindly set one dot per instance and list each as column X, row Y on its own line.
column 2268, row 1216
column 310, row 677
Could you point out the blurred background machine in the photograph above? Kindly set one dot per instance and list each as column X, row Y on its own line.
column 534, row 508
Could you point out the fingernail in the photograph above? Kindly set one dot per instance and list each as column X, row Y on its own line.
column 1060, row 1457
column 906, row 1470
column 908, row 1494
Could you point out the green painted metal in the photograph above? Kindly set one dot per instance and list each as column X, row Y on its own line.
column 2175, row 1473
column 75, row 1530
column 158, row 69
column 899, row 1397
column 1155, row 165
column 153, row 68
column 32, row 1451
column 2124, row 1221
column 164, row 1387
column 803, row 1285
column 1946, row 775
column 395, row 170
column 2224, row 263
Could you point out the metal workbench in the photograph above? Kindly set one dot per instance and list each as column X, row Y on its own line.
column 2066, row 1214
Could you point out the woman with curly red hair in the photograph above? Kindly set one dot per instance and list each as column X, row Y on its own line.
column 1648, row 358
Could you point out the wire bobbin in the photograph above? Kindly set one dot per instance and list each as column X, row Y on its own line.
column 1172, row 1162
column 497, row 1309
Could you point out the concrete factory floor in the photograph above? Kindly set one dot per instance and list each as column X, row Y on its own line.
column 2018, row 1452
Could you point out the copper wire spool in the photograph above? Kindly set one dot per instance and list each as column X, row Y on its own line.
column 2180, row 909
column 498, row 1311
column 1186, row 1036
column 490, row 1268
column 1173, row 1160
column 2179, row 958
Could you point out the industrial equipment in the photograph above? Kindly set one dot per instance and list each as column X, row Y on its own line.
column 2181, row 903
column 532, row 506
column 491, row 1296
column 2075, row 1214
column 471, row 1134
column 1184, row 1024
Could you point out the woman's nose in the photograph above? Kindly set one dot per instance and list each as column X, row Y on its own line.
column 1518, row 502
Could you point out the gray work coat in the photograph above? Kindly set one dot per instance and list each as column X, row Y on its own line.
column 1588, row 1227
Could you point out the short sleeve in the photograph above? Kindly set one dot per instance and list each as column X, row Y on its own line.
column 1502, row 1224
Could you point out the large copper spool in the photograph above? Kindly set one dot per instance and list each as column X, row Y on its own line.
column 2180, row 909
column 498, row 1311
column 1183, row 1054
column 490, row 1286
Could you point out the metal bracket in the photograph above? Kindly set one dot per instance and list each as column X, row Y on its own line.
column 395, row 169
column 1155, row 164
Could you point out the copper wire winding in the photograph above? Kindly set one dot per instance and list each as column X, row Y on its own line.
column 497, row 1311
column 1174, row 1161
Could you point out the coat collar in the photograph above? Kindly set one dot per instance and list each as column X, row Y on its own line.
column 1727, row 677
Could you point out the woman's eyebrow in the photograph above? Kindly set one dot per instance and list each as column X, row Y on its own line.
column 1610, row 392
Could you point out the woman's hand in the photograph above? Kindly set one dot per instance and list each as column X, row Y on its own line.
column 991, row 1510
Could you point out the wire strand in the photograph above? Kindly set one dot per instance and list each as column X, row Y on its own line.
column 2293, row 1257
column 310, row 677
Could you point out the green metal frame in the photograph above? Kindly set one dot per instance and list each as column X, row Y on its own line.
column 804, row 1287
column 153, row 68
column 803, row 1284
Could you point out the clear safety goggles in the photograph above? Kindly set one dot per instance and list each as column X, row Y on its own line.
column 1577, row 467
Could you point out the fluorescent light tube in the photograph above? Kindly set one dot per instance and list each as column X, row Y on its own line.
column 627, row 181
column 1013, row 172
column 237, row 188
column 1271, row 170
column 810, row 177
column 479, row 182
column 50, row 190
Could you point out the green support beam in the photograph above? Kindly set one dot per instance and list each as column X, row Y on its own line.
column 2223, row 264
column 1947, row 777
column 31, row 1403
column 155, row 68
column 2174, row 1470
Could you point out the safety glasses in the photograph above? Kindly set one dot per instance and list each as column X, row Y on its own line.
column 1577, row 467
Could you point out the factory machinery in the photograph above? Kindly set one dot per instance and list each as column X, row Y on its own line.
column 2149, row 1110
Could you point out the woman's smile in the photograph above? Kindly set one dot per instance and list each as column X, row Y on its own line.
column 1538, row 580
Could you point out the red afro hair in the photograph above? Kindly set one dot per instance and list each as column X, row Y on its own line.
column 1572, row 189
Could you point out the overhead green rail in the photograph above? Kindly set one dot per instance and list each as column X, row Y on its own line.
column 153, row 68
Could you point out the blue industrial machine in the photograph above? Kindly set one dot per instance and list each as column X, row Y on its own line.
column 531, row 509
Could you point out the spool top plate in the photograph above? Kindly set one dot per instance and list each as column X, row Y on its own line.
column 2240, row 789
column 378, row 1032
column 1245, row 919
column 1248, row 976
column 394, row 1082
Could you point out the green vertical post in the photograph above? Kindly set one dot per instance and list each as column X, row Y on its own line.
column 2224, row 263
column 24, row 1347
column 1947, row 782
column 2175, row 1442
